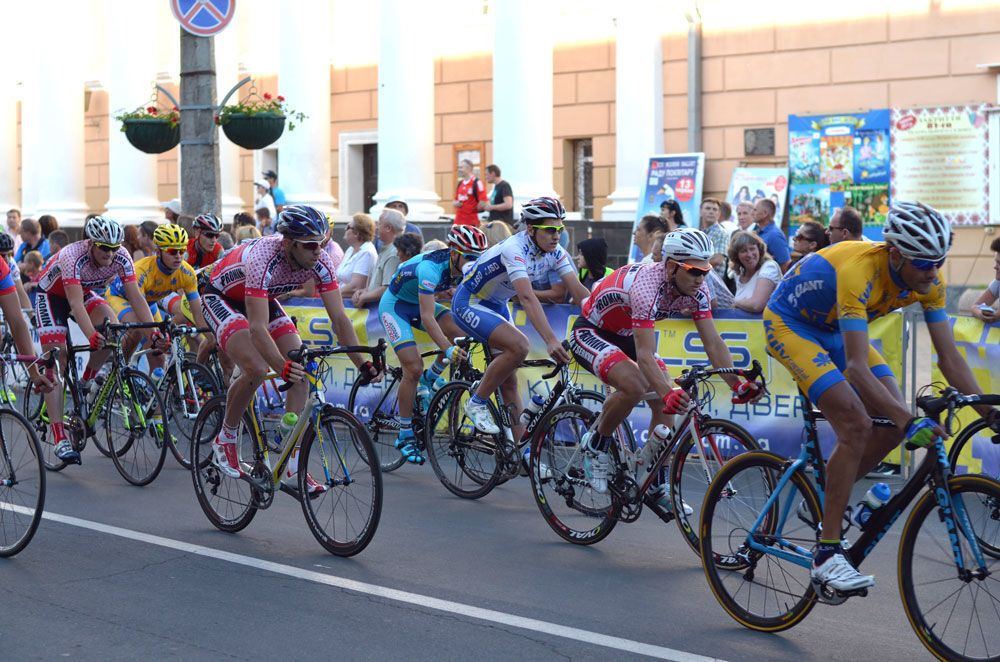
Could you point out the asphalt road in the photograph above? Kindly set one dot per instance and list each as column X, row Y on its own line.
column 118, row 572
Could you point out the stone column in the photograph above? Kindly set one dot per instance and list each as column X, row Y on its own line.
column 522, row 97
column 132, row 175
column 8, row 144
column 406, row 111
column 227, row 74
column 52, row 112
column 638, row 106
column 304, row 158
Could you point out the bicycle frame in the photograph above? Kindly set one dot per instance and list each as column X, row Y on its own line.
column 934, row 472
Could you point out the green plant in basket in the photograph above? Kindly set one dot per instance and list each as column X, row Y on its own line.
column 170, row 117
column 265, row 104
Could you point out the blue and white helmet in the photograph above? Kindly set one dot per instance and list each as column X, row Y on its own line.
column 302, row 221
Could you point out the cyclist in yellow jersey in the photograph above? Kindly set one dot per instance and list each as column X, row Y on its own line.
column 817, row 326
column 158, row 277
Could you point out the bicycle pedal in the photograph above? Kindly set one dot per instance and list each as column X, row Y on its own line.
column 831, row 596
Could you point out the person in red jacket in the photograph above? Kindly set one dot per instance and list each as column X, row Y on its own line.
column 204, row 247
column 470, row 196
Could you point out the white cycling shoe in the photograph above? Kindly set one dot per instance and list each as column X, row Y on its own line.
column 481, row 418
column 837, row 573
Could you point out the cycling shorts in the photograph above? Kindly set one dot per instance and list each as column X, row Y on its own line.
column 815, row 357
column 599, row 351
column 122, row 307
column 399, row 318
column 52, row 315
column 478, row 318
column 228, row 316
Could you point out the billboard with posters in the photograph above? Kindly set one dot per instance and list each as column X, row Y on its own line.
column 837, row 160
column 940, row 156
column 677, row 176
column 753, row 184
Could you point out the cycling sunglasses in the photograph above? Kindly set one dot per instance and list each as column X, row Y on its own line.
column 210, row 235
column 554, row 228
column 926, row 265
column 692, row 269
column 107, row 248
column 311, row 245
column 174, row 251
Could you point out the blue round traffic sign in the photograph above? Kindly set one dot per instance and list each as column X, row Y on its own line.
column 203, row 18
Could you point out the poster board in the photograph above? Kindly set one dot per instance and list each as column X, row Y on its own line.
column 753, row 184
column 671, row 176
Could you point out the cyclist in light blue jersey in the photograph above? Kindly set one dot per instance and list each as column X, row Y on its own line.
column 500, row 273
column 410, row 303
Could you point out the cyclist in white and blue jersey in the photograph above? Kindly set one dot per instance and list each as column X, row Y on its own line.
column 410, row 302
column 480, row 304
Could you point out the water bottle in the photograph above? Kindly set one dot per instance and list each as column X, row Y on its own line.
column 533, row 407
column 158, row 375
column 661, row 434
column 876, row 497
column 285, row 426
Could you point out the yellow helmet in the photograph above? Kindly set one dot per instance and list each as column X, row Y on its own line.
column 170, row 236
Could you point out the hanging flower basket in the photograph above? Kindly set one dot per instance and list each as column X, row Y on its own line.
column 151, row 130
column 153, row 136
column 257, row 121
column 254, row 131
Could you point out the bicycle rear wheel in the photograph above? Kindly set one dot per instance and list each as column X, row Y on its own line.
column 340, row 456
column 22, row 483
column 569, row 505
column 956, row 614
column 377, row 408
column 691, row 473
column 136, row 427
column 183, row 403
column 464, row 459
column 762, row 591
column 227, row 502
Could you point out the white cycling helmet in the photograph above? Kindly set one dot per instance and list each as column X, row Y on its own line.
column 104, row 230
column 918, row 231
column 687, row 244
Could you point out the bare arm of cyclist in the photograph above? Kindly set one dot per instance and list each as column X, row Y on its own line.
column 74, row 295
column 342, row 325
column 533, row 309
column 873, row 393
column 577, row 290
column 433, row 329
column 257, row 317
column 716, row 348
column 645, row 353
column 22, row 296
column 953, row 366
column 199, row 319
column 137, row 301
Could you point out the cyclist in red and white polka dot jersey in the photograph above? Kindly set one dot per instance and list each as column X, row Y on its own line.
column 67, row 288
column 252, row 328
column 614, row 339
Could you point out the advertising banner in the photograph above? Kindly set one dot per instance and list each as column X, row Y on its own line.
column 671, row 176
column 837, row 160
column 940, row 156
column 776, row 421
column 753, row 184
column 980, row 346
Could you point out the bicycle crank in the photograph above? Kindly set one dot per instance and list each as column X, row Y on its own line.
column 625, row 491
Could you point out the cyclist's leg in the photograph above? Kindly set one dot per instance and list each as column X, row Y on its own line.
column 884, row 439
column 51, row 315
column 99, row 310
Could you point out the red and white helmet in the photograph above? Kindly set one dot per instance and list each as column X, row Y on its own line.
column 467, row 239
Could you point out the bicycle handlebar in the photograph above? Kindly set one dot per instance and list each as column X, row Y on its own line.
column 699, row 373
column 951, row 400
column 304, row 354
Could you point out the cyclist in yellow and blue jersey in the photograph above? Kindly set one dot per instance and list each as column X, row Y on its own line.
column 817, row 326
column 159, row 276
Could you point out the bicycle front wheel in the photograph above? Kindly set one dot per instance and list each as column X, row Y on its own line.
column 339, row 455
column 184, row 401
column 758, row 588
column 464, row 459
column 227, row 502
column 974, row 452
column 136, row 427
column 376, row 406
column 692, row 470
column 954, row 611
column 568, row 503
column 37, row 415
column 22, row 483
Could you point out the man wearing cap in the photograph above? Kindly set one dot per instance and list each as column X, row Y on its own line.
column 172, row 210
column 276, row 193
column 264, row 199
